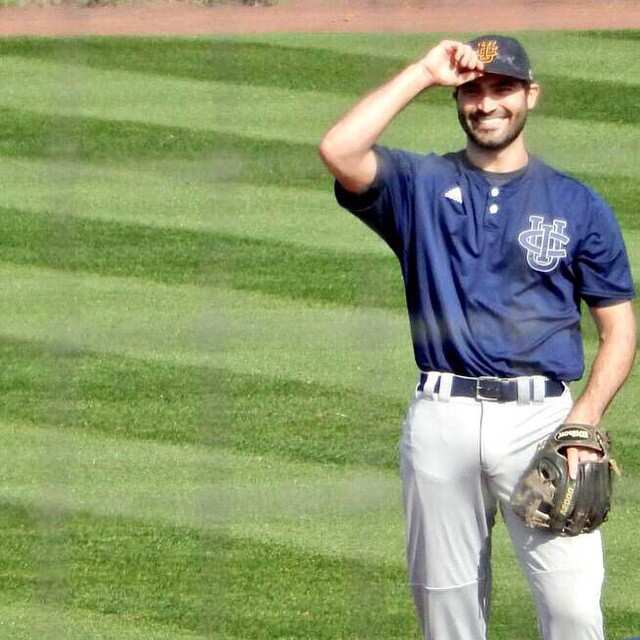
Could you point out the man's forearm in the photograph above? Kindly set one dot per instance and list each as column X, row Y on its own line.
column 359, row 129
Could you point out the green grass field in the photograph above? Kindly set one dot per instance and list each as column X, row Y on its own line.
column 206, row 361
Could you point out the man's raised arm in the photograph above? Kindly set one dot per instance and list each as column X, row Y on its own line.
column 346, row 148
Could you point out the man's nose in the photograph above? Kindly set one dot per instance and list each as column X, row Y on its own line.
column 487, row 104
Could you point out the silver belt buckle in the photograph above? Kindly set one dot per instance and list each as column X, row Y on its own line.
column 487, row 385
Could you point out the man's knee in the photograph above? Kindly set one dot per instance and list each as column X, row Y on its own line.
column 572, row 613
column 454, row 613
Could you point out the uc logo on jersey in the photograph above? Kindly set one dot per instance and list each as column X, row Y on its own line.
column 544, row 243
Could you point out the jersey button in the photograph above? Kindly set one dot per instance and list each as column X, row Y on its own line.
column 495, row 192
column 493, row 208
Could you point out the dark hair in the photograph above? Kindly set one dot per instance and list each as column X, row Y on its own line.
column 525, row 83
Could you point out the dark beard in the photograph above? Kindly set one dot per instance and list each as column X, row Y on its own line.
column 496, row 145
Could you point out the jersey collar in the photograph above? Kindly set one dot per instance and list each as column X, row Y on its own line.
column 465, row 167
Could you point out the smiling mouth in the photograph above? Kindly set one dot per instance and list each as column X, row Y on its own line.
column 491, row 118
column 488, row 122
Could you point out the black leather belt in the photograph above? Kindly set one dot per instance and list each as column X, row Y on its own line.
column 488, row 388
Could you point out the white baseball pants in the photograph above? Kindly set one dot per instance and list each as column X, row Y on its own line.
column 460, row 459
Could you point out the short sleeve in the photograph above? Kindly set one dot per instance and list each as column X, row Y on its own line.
column 602, row 264
column 386, row 206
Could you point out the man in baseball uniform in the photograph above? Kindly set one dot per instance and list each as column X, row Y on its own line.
column 497, row 251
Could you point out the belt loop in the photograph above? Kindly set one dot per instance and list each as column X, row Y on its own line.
column 444, row 391
column 418, row 392
column 430, row 384
column 524, row 390
column 539, row 388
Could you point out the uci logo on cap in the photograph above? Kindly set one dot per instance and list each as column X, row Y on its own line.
column 487, row 50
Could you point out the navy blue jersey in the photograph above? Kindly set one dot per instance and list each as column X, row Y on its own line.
column 494, row 275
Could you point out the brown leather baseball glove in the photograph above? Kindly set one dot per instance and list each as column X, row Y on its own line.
column 547, row 497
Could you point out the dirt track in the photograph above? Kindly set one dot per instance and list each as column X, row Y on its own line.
column 323, row 15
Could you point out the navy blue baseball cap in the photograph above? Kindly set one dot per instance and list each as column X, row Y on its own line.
column 503, row 55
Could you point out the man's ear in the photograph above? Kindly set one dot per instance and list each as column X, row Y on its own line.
column 533, row 95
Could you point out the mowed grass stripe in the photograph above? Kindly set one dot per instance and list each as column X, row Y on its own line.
column 240, row 331
column 561, row 52
column 259, row 415
column 220, row 157
column 169, row 199
column 614, row 34
column 301, row 216
column 165, row 402
column 212, row 60
column 294, row 68
column 177, row 256
column 192, row 201
column 133, row 571
column 189, row 577
column 183, row 484
column 80, row 91
column 26, row 134
column 360, row 349
column 138, row 100
column 180, row 256
column 201, row 584
column 318, row 508
column 230, row 109
column 621, row 194
column 23, row 620
column 291, row 516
